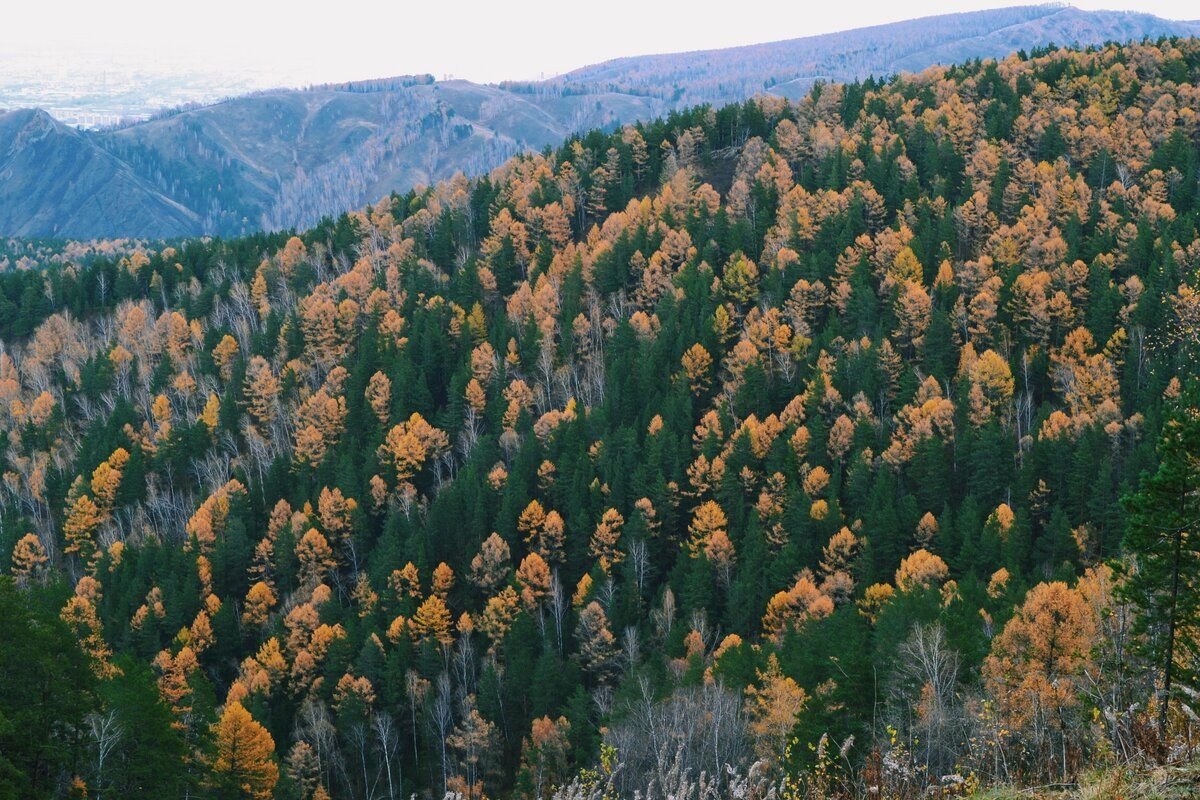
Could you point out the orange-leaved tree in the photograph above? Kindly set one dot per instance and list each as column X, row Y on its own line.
column 243, row 764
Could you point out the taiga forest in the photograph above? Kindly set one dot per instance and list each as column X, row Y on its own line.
column 837, row 446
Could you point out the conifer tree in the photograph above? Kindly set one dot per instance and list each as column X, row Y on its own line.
column 1162, row 581
column 243, row 764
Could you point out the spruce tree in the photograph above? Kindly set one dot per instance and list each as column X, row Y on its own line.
column 1161, row 538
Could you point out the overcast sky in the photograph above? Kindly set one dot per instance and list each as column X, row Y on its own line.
column 320, row 40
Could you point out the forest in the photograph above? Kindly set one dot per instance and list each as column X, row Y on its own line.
column 845, row 447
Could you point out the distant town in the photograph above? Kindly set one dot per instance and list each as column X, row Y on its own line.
column 94, row 91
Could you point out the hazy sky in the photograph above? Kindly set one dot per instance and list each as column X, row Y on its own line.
column 324, row 40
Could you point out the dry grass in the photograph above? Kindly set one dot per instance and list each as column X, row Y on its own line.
column 1180, row 782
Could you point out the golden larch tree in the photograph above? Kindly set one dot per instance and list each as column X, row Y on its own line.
column 1037, row 665
column 379, row 396
column 432, row 621
column 533, row 576
column 490, row 567
column 243, row 762
column 605, row 539
column 598, row 649
column 707, row 520
column 697, row 367
column 29, row 560
column 774, row 706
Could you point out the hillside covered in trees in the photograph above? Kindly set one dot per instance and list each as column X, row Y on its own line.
column 831, row 448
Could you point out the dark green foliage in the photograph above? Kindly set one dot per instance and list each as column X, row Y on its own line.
column 46, row 692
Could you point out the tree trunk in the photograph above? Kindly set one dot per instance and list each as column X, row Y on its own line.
column 1169, row 660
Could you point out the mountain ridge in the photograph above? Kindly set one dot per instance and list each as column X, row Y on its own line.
column 286, row 158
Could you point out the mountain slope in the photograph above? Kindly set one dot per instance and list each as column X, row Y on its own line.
column 56, row 181
column 1068, row 26
column 287, row 158
column 844, row 443
column 789, row 67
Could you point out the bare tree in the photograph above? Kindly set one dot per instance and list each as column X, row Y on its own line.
column 631, row 647
column 639, row 560
column 923, row 697
column 387, row 743
column 559, row 605
column 696, row 731
column 442, row 716
column 106, row 733
column 316, row 728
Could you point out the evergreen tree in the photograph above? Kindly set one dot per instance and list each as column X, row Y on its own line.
column 1161, row 539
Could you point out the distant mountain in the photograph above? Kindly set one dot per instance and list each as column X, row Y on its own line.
column 790, row 67
column 271, row 160
column 56, row 181
column 286, row 158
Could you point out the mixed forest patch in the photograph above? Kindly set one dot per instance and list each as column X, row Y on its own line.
column 831, row 448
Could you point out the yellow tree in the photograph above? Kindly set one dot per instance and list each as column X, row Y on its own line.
column 740, row 282
column 606, row 537
column 841, row 436
column 921, row 570
column 364, row 595
column 106, row 480
column 318, row 313
column 243, row 763
column 211, row 415
column 530, row 522
column 1037, row 667
column 443, row 580
column 533, row 575
column 498, row 615
column 258, row 291
column 379, row 396
column 83, row 518
column 773, row 706
column 304, row 770
column 708, row 520
column 476, row 396
column 543, row 531
column 293, row 253
column 259, row 602
column 552, row 538
column 913, row 309
column 409, row 444
column 262, row 392
column 80, row 614
column 335, row 512
column 29, row 560
column 310, row 446
column 544, row 755
column 556, row 224
column 490, row 566
column 837, row 559
column 315, row 557
column 405, row 582
column 173, row 683
column 41, row 409
column 432, row 621
column 697, row 366
column 906, row 267
column 720, row 553
column 802, row 602
column 473, row 740
column 223, row 355
column 927, row 528
column 597, row 646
